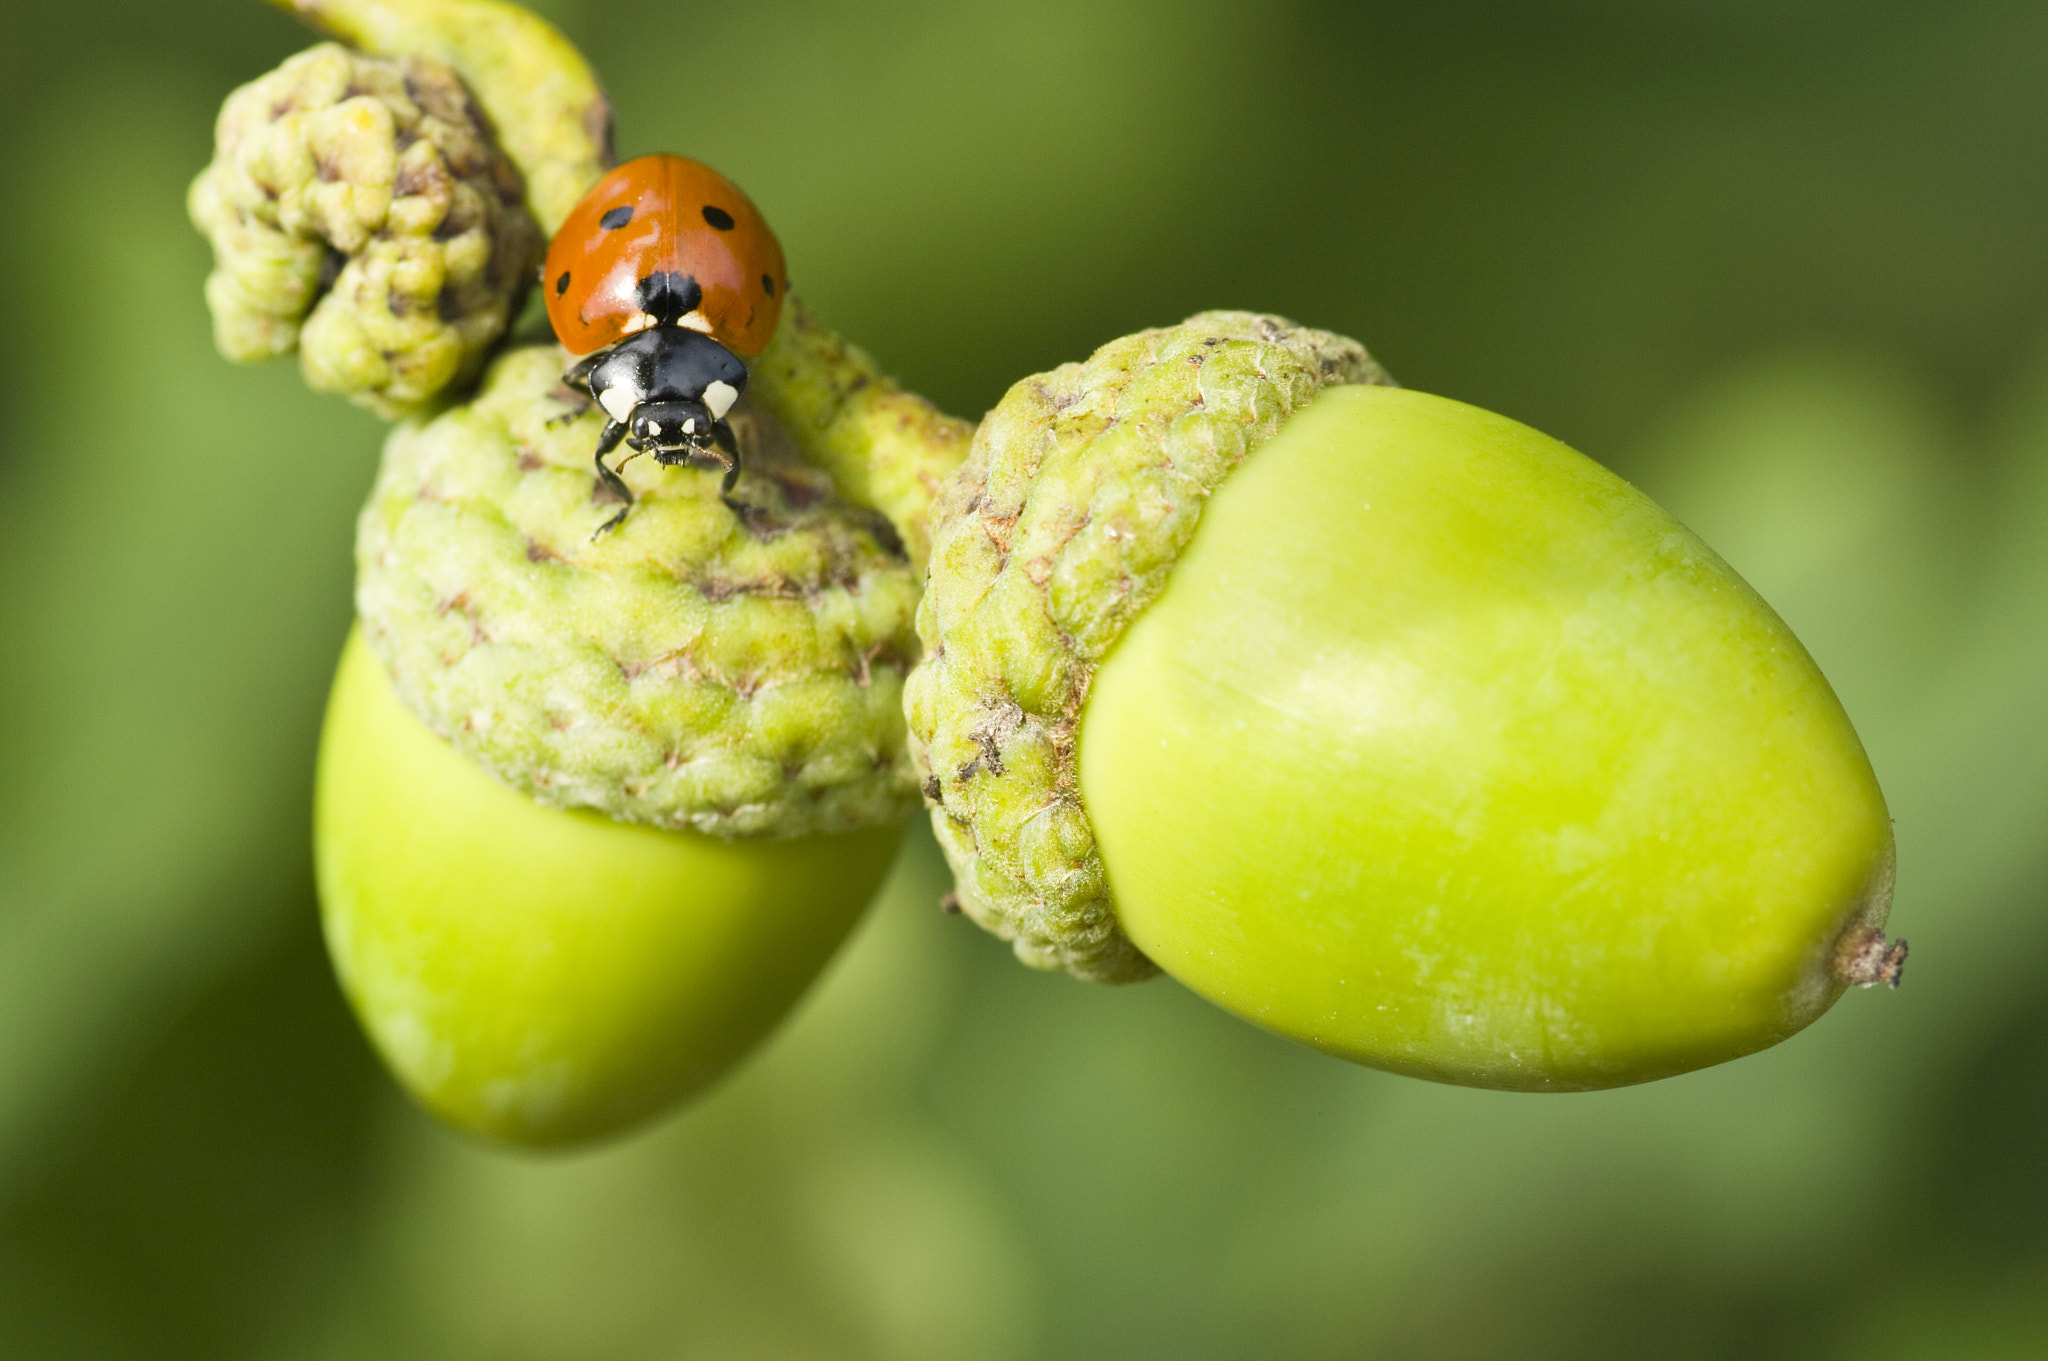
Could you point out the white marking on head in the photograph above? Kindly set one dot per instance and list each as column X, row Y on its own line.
column 617, row 402
column 718, row 399
column 690, row 425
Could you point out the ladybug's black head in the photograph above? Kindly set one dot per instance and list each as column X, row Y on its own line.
column 673, row 427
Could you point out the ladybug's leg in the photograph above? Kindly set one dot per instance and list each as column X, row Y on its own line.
column 577, row 379
column 722, row 439
column 614, row 431
column 577, row 375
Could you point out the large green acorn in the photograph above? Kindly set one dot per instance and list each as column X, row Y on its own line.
column 1384, row 722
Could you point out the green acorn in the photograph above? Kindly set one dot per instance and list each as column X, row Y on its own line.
column 686, row 768
column 1386, row 723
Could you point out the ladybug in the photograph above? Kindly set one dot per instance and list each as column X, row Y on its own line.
column 662, row 278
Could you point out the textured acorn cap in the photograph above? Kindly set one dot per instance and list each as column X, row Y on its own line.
column 361, row 213
column 740, row 674
column 1081, row 490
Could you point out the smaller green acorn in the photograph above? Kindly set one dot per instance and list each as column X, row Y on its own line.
column 1382, row 721
column 594, row 810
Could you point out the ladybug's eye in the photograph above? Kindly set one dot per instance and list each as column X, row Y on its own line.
column 562, row 284
column 616, row 218
column 767, row 282
column 718, row 218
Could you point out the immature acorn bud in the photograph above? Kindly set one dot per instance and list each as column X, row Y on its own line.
column 361, row 214
column 1433, row 745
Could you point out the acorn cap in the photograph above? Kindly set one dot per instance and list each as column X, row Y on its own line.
column 361, row 213
column 1081, row 490
column 739, row 673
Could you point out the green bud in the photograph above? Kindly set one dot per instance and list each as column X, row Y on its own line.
column 539, row 95
column 360, row 214
column 543, row 977
column 1433, row 745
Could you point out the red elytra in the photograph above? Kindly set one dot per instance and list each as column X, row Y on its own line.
column 664, row 213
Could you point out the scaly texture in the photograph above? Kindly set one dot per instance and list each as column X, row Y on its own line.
column 369, row 193
column 740, row 675
column 1081, row 489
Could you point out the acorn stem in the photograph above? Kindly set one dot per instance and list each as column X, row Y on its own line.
column 1864, row 958
column 884, row 447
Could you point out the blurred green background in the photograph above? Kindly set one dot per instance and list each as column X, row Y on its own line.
column 1784, row 264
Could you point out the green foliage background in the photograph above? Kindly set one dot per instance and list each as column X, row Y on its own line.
column 1784, row 264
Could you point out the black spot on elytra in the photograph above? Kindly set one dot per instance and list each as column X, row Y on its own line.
column 668, row 296
column 562, row 284
column 718, row 218
column 616, row 218
column 768, row 282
